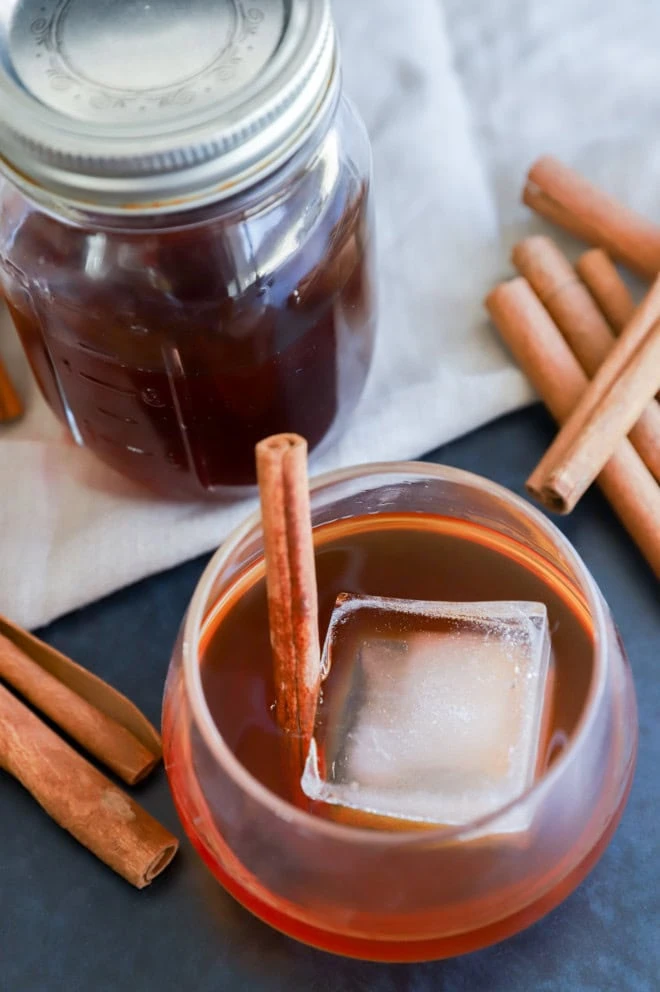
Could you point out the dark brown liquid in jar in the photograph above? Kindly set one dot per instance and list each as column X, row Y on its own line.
column 171, row 350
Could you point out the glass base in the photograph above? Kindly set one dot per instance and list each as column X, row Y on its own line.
column 409, row 951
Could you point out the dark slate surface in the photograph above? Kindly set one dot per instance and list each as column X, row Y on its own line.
column 67, row 924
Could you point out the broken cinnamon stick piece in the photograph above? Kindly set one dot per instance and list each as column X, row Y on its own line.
column 566, row 198
column 292, row 591
column 599, row 273
column 10, row 403
column 624, row 384
column 100, row 718
column 584, row 327
column 539, row 348
column 79, row 798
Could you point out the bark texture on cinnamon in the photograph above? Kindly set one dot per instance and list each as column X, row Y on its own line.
column 600, row 275
column 110, row 742
column 100, row 718
column 79, row 798
column 292, row 590
column 579, row 319
column 623, row 386
column 543, row 354
column 566, row 198
column 11, row 406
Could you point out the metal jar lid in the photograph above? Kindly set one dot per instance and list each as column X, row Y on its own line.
column 149, row 105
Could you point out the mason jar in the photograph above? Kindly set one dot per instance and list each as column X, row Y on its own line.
column 186, row 235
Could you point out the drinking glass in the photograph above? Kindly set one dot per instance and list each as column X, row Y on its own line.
column 408, row 895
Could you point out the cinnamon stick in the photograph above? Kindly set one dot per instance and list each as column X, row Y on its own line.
column 130, row 745
column 292, row 592
column 79, row 798
column 544, row 355
column 10, row 403
column 624, row 384
column 107, row 740
column 577, row 316
column 599, row 273
column 566, row 198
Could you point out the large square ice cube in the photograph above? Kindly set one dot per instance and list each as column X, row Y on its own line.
column 432, row 711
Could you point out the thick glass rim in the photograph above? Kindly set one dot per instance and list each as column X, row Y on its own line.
column 284, row 810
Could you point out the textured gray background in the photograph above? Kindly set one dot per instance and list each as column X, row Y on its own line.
column 67, row 924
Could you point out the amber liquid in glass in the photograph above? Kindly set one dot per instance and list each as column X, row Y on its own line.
column 408, row 556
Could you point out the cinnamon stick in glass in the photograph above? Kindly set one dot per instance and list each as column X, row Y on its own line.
column 10, row 403
column 623, row 386
column 543, row 354
column 137, row 746
column 577, row 316
column 600, row 275
column 79, row 798
column 292, row 590
column 566, row 198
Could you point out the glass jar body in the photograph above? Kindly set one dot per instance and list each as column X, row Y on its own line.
column 170, row 343
column 404, row 896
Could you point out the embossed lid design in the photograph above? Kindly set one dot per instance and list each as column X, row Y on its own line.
column 151, row 104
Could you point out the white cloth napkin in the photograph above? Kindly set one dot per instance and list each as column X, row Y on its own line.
column 459, row 97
